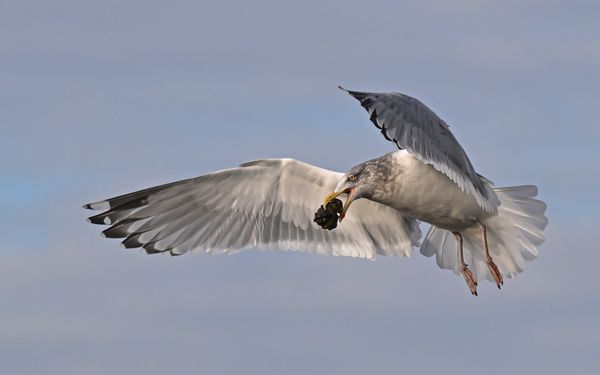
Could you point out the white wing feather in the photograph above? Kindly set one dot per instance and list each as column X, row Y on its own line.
column 267, row 204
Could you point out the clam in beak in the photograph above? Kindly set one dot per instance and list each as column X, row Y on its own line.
column 336, row 194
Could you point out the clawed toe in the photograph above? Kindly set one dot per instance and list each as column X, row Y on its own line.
column 470, row 279
column 490, row 263
column 495, row 273
column 464, row 269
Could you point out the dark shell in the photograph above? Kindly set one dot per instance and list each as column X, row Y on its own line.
column 327, row 217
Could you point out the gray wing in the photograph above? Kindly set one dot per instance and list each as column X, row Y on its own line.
column 268, row 204
column 412, row 126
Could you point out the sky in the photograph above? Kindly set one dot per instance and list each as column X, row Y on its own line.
column 99, row 99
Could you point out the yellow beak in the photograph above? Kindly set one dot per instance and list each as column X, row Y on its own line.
column 336, row 194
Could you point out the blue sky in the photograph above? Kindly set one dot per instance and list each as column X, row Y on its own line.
column 103, row 98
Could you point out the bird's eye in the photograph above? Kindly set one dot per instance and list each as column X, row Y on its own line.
column 352, row 177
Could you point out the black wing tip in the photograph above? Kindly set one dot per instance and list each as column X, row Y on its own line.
column 351, row 92
column 95, row 206
column 151, row 248
column 119, row 229
column 358, row 95
column 114, row 232
column 98, row 220
column 132, row 241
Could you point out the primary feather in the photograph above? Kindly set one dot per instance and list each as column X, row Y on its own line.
column 266, row 204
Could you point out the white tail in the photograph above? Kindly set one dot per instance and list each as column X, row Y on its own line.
column 513, row 236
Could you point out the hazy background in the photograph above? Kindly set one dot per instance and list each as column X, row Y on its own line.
column 102, row 98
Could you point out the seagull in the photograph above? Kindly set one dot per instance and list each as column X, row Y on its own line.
column 477, row 230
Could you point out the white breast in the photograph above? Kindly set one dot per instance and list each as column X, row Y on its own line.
column 428, row 195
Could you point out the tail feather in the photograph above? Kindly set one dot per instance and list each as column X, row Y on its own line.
column 514, row 235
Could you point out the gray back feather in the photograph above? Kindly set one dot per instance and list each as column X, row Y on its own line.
column 412, row 126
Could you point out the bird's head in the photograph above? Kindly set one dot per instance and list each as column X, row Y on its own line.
column 356, row 184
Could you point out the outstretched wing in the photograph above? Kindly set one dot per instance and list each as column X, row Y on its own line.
column 412, row 126
column 268, row 204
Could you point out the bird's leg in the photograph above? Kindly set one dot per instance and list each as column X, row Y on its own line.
column 464, row 269
column 488, row 259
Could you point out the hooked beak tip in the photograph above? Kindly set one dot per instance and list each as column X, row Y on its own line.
column 334, row 195
column 347, row 204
